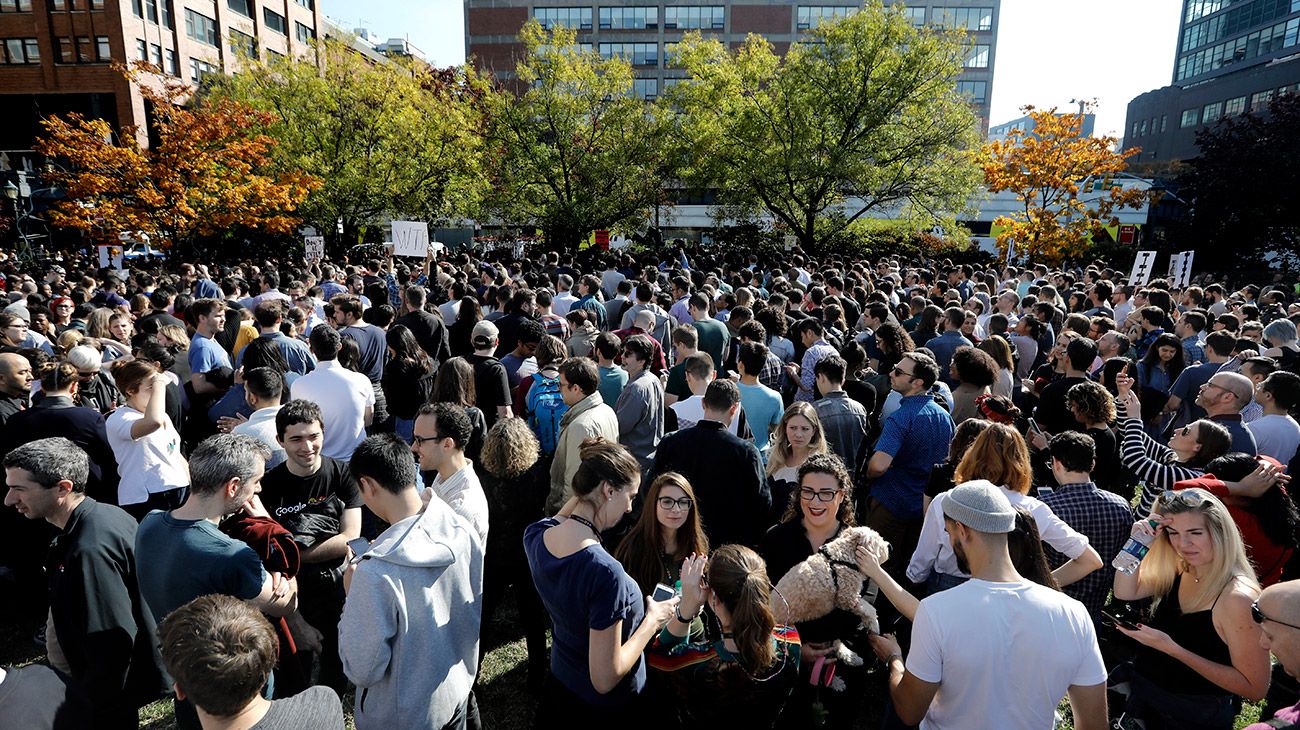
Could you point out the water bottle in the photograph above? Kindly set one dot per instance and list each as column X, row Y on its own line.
column 1134, row 550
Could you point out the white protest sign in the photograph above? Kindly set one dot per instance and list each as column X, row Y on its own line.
column 1184, row 270
column 1011, row 250
column 411, row 238
column 1175, row 268
column 110, row 257
column 1142, row 268
column 315, row 246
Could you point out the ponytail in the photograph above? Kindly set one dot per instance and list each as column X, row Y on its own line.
column 604, row 461
column 738, row 578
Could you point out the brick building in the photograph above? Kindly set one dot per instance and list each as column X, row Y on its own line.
column 645, row 32
column 56, row 54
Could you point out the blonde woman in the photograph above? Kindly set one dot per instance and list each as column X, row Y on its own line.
column 798, row 436
column 1200, row 646
column 1000, row 456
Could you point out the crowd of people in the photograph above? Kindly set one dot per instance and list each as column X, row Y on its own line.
column 258, row 487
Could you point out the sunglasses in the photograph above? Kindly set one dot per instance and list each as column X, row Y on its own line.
column 1260, row 617
column 897, row 371
column 1185, row 498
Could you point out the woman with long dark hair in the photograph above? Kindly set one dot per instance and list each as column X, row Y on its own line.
column 454, row 383
column 1156, row 375
column 407, row 380
column 668, row 531
column 744, row 676
column 458, row 334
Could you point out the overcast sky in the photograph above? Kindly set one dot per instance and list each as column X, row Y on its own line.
column 1049, row 51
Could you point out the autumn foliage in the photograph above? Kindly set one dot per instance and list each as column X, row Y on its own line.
column 207, row 172
column 1068, row 185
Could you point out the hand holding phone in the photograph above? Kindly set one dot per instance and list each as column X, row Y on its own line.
column 357, row 547
column 1117, row 621
column 663, row 592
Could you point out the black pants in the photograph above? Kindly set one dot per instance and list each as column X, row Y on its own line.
column 165, row 501
column 320, row 601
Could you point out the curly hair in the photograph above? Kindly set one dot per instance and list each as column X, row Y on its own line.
column 510, row 449
column 894, row 340
column 1091, row 402
column 830, row 464
column 974, row 367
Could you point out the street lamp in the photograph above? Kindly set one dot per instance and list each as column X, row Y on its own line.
column 11, row 190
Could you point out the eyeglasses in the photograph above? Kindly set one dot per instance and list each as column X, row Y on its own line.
column 680, row 505
column 824, row 495
column 87, row 375
column 416, row 441
column 1185, row 498
column 1260, row 617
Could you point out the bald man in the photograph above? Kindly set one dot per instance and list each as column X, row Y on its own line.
column 1223, row 397
column 1278, row 614
column 15, row 384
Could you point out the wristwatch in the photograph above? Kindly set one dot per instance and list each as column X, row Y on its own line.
column 678, row 612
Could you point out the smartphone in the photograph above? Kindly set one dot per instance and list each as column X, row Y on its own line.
column 1034, row 425
column 1122, row 623
column 663, row 592
column 359, row 546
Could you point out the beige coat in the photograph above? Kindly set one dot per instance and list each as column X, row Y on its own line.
column 587, row 418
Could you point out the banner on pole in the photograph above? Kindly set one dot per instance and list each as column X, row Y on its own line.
column 1142, row 268
column 1184, row 277
column 315, row 247
column 411, row 238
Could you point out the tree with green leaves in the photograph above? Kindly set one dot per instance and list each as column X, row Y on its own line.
column 392, row 139
column 574, row 150
column 860, row 119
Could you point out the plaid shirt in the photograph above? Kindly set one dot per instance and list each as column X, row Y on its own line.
column 556, row 325
column 1105, row 519
column 773, row 373
column 1192, row 350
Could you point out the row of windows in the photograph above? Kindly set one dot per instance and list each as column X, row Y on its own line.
column 1214, row 111
column 1236, row 21
column 81, row 5
column 163, row 58
column 1140, row 129
column 694, row 17
column 15, row 6
column 811, row 15
column 574, row 18
column 638, row 54
column 243, row 43
column 22, row 51
column 304, row 33
column 148, row 9
column 199, row 68
column 84, row 49
column 1259, row 43
column 968, row 18
column 641, row 17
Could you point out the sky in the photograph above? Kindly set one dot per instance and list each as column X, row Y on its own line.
column 1048, row 51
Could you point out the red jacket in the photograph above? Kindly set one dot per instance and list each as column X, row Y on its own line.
column 1268, row 557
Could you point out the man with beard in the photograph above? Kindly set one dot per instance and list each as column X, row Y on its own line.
column 997, row 651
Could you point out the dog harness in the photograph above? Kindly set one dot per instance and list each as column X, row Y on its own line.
column 832, row 562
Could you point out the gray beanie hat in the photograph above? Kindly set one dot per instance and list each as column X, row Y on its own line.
column 981, row 506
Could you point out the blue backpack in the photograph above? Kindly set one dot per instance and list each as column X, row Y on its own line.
column 545, row 409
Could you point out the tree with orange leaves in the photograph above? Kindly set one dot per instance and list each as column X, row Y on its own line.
column 207, row 173
column 1068, row 184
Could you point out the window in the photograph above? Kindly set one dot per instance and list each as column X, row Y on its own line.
column 917, row 16
column 978, row 57
column 243, row 7
column 637, row 54
column 58, row 5
column 1241, row 18
column 1233, row 107
column 96, row 4
column 141, row 50
column 243, row 43
column 1134, row 133
column 151, row 10
column 304, row 33
column 168, row 15
column 573, row 18
column 702, row 17
column 275, row 21
column 1164, row 122
column 103, row 51
column 1259, row 101
column 200, row 27
column 137, row 8
column 1200, row 8
column 155, row 55
column 647, row 89
column 169, row 62
column 1262, row 42
column 1212, row 112
column 975, row 92
column 969, row 18
column 67, row 51
column 1189, row 118
column 1142, row 130
column 199, row 68
column 309, row 4
column 15, row 6
column 20, row 51
column 810, row 15
column 629, row 18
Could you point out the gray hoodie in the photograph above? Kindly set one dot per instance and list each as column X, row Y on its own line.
column 409, row 633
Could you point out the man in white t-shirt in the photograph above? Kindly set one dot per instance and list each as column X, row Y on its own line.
column 998, row 651
column 346, row 398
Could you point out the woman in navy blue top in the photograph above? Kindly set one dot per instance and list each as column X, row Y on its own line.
column 601, row 623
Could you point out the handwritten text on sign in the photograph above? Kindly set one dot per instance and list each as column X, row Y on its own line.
column 411, row 238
